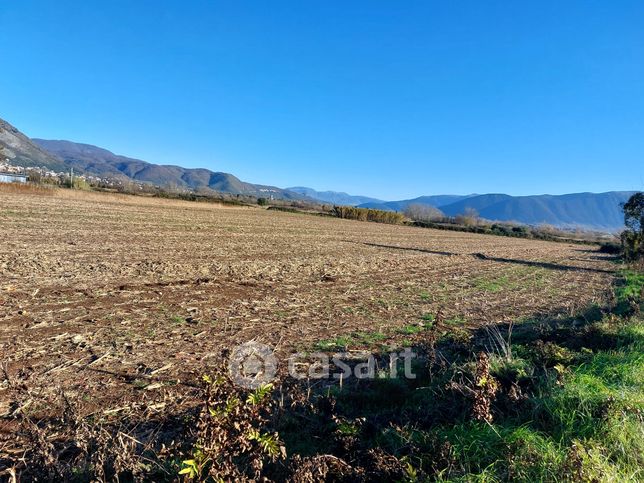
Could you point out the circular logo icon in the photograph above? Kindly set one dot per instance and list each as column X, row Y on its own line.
column 252, row 364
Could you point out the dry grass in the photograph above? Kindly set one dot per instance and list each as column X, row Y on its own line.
column 27, row 189
column 128, row 199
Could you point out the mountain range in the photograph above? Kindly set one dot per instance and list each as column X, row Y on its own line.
column 335, row 197
column 89, row 159
column 61, row 156
column 436, row 201
column 599, row 211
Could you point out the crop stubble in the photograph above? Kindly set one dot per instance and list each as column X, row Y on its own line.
column 119, row 300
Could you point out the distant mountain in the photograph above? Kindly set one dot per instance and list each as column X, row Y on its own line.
column 61, row 156
column 19, row 150
column 597, row 211
column 334, row 197
column 600, row 211
column 436, row 201
column 100, row 162
column 340, row 198
column 478, row 203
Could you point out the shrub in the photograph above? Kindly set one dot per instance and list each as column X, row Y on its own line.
column 632, row 247
column 232, row 443
column 367, row 214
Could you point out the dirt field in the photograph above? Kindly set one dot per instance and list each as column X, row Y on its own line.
column 121, row 300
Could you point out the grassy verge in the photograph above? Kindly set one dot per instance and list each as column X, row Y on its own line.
column 561, row 402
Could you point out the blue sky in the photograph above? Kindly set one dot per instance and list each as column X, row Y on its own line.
column 392, row 99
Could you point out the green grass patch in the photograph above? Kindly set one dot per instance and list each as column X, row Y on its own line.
column 412, row 329
column 368, row 338
column 608, row 386
column 339, row 343
column 631, row 286
column 519, row 278
column 428, row 318
column 456, row 321
column 483, row 452
column 628, row 292
column 583, row 424
column 493, row 285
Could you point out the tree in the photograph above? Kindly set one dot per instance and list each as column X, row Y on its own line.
column 35, row 176
column 420, row 212
column 634, row 213
column 633, row 236
column 469, row 218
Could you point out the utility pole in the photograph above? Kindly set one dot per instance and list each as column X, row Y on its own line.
column 71, row 184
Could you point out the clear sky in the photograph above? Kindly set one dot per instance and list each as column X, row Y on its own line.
column 392, row 99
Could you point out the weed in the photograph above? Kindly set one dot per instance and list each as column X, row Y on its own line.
column 510, row 370
column 456, row 335
column 428, row 318
column 232, row 441
column 485, row 389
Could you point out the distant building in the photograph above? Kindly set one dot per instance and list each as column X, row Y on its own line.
column 13, row 178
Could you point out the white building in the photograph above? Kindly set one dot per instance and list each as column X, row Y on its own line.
column 12, row 178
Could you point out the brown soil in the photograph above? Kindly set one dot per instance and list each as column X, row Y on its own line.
column 120, row 301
